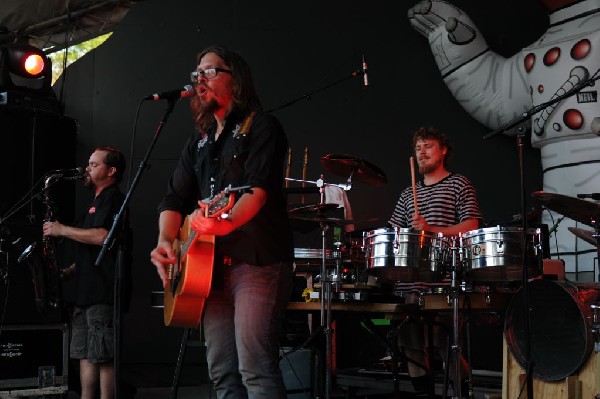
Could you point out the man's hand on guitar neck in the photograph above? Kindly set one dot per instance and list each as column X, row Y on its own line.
column 216, row 226
column 245, row 209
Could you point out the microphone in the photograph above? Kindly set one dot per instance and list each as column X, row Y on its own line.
column 364, row 71
column 78, row 170
column 594, row 196
column 75, row 173
column 176, row 94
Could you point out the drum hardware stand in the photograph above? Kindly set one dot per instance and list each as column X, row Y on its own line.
column 337, row 255
column 596, row 236
column 326, row 299
column 326, row 294
column 595, row 307
column 454, row 349
column 326, row 282
column 390, row 343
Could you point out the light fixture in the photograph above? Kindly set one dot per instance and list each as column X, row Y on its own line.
column 24, row 68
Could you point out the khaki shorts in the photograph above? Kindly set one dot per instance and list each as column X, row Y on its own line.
column 93, row 333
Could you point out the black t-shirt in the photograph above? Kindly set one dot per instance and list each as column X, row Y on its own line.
column 95, row 284
column 255, row 159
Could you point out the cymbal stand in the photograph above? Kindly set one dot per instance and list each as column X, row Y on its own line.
column 326, row 291
column 325, row 298
column 596, row 237
column 326, row 288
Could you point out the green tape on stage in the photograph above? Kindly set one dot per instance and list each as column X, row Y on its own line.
column 381, row 322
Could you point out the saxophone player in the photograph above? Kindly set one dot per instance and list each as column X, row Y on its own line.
column 92, row 340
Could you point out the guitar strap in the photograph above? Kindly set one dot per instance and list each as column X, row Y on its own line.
column 245, row 129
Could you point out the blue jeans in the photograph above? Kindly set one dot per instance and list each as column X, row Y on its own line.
column 241, row 327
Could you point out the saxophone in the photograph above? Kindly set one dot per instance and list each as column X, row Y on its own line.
column 42, row 260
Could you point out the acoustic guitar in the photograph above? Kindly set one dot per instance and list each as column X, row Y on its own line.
column 190, row 279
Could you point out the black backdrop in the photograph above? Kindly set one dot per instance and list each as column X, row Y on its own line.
column 292, row 48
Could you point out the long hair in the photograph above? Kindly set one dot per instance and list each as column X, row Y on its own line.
column 431, row 133
column 245, row 97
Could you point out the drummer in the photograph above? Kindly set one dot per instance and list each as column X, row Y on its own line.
column 446, row 203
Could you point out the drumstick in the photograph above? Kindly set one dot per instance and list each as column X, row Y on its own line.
column 304, row 169
column 414, row 185
column 288, row 167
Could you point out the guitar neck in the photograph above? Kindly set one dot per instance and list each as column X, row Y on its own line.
column 215, row 207
column 186, row 245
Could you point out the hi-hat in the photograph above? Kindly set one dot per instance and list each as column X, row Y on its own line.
column 333, row 220
column 316, row 208
column 577, row 209
column 358, row 169
column 586, row 235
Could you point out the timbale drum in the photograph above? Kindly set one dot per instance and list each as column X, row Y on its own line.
column 496, row 254
column 401, row 254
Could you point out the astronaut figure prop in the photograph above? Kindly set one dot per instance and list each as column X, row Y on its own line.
column 495, row 90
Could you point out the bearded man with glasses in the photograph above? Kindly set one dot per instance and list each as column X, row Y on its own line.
column 236, row 144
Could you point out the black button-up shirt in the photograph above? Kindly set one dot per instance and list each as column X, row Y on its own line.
column 256, row 159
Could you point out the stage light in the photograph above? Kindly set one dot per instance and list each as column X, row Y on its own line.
column 24, row 68
column 34, row 64
column 26, row 78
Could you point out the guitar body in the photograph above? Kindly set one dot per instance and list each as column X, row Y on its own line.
column 189, row 281
column 187, row 290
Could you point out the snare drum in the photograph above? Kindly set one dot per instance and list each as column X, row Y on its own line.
column 310, row 259
column 496, row 254
column 401, row 254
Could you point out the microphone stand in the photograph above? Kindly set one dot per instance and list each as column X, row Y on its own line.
column 529, row 365
column 307, row 95
column 121, row 256
column 32, row 195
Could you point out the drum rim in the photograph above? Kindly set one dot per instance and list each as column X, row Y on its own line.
column 409, row 230
column 496, row 229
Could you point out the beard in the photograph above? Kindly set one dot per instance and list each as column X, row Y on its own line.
column 208, row 107
column 424, row 169
column 87, row 182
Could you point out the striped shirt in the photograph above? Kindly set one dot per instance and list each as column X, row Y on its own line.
column 445, row 203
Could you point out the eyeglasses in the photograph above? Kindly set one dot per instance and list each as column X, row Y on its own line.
column 209, row 73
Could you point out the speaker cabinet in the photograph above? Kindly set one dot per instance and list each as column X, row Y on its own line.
column 32, row 142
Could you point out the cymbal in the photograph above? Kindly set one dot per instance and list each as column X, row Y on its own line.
column 586, row 235
column 317, row 208
column 360, row 169
column 577, row 209
column 334, row 220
